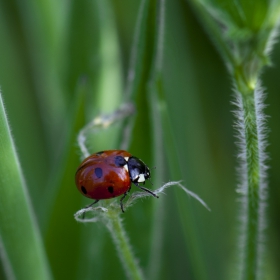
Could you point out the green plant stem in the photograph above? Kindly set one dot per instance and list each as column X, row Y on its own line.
column 253, row 177
column 120, row 239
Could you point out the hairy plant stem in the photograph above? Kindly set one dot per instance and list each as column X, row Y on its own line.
column 253, row 171
column 252, row 183
column 120, row 239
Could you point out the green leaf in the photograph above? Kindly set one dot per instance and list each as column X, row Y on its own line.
column 19, row 234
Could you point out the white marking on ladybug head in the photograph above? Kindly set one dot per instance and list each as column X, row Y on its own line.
column 126, row 158
column 125, row 167
column 141, row 178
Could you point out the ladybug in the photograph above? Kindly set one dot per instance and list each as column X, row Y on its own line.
column 109, row 174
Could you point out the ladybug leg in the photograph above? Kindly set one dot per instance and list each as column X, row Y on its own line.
column 146, row 190
column 89, row 206
column 121, row 201
column 95, row 201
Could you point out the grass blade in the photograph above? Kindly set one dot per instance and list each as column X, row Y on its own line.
column 19, row 232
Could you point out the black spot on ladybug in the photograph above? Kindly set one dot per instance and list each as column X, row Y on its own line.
column 110, row 189
column 120, row 161
column 98, row 172
column 100, row 153
column 84, row 190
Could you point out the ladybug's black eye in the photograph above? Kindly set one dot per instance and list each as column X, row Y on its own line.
column 120, row 161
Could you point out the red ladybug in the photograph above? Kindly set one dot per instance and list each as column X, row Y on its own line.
column 108, row 174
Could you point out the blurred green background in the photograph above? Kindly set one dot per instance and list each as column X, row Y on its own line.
column 64, row 62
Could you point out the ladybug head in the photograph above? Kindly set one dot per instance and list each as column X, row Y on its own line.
column 138, row 170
